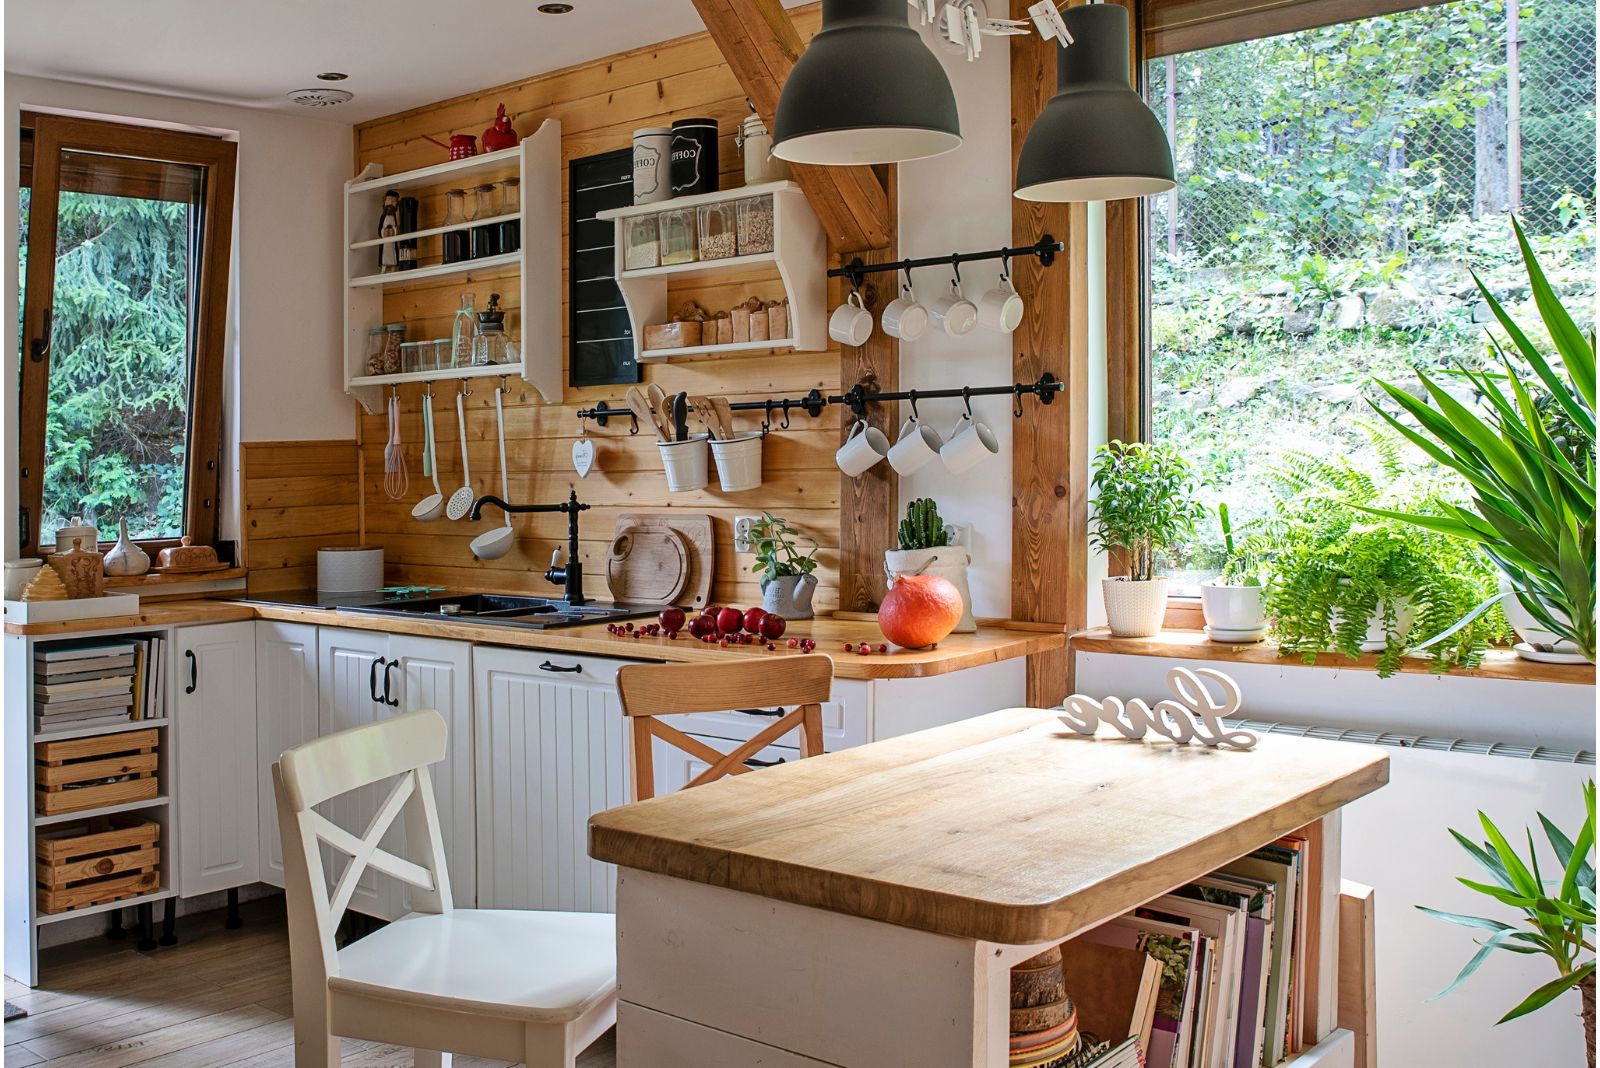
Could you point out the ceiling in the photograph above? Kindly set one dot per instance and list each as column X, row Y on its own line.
column 399, row 54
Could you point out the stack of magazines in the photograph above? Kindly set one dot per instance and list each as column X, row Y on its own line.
column 94, row 684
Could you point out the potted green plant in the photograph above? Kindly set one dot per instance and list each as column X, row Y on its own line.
column 787, row 582
column 926, row 549
column 1557, row 914
column 1232, row 602
column 1530, row 461
column 1144, row 502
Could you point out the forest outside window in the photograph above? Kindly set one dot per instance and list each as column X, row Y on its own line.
column 123, row 334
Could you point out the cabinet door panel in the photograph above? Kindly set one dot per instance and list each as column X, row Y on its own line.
column 345, row 677
column 286, row 715
column 215, row 784
column 437, row 674
column 675, row 769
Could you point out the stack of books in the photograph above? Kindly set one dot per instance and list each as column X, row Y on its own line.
column 95, row 684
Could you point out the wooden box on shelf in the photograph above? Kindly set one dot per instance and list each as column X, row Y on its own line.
column 105, row 769
column 96, row 860
column 672, row 335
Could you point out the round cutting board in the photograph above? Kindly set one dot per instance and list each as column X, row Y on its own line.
column 648, row 565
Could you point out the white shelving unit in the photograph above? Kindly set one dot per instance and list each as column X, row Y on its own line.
column 799, row 252
column 537, row 264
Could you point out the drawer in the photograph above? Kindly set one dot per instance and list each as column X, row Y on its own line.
column 557, row 667
column 675, row 769
column 645, row 1036
column 842, row 726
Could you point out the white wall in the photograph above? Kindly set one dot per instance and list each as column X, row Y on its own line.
column 285, row 306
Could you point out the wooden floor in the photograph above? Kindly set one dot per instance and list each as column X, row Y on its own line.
column 217, row 998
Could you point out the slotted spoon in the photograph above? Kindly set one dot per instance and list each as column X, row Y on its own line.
column 460, row 503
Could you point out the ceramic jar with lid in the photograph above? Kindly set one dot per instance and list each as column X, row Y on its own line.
column 77, row 531
column 694, row 156
column 652, row 165
column 755, row 144
column 81, row 570
column 126, row 559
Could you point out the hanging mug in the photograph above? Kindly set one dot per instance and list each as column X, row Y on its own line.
column 970, row 442
column 1000, row 308
column 865, row 446
column 850, row 323
column 916, row 446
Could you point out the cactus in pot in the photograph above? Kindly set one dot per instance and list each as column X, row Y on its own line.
column 926, row 549
column 922, row 528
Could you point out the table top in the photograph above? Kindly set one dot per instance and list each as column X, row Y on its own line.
column 1006, row 828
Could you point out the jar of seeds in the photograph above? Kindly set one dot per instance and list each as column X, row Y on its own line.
column 642, row 248
column 718, row 231
column 755, row 225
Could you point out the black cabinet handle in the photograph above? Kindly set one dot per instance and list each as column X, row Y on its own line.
column 372, row 680
column 752, row 762
column 771, row 713
column 388, row 681
column 194, row 671
column 548, row 666
column 40, row 346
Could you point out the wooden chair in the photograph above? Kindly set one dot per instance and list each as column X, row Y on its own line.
column 535, row 987
column 651, row 691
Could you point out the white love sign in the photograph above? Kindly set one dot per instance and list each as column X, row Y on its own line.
column 1195, row 716
column 582, row 456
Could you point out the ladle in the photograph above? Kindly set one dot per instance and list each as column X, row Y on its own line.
column 428, row 509
column 493, row 544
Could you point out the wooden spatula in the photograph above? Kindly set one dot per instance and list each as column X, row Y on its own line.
column 707, row 415
column 641, row 406
column 724, row 416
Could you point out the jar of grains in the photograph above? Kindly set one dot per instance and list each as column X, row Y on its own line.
column 677, row 235
column 755, row 225
column 642, row 248
column 719, row 237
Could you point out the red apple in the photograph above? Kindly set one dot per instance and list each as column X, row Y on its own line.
column 772, row 626
column 702, row 626
column 711, row 610
column 672, row 618
column 730, row 620
column 752, row 619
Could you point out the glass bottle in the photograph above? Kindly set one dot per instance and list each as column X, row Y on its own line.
column 461, row 333
column 489, row 343
column 455, row 241
column 511, row 204
column 486, row 238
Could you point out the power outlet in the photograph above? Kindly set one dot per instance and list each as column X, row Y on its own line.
column 741, row 533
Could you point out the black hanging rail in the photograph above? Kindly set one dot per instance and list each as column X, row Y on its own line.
column 856, row 399
column 1045, row 248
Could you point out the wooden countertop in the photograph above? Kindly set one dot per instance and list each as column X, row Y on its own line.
column 989, row 645
column 1194, row 645
column 1005, row 828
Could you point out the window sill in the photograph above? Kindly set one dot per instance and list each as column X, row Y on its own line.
column 1194, row 645
column 153, row 581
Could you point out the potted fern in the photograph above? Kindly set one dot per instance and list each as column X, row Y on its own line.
column 787, row 582
column 926, row 549
column 1144, row 503
column 1232, row 602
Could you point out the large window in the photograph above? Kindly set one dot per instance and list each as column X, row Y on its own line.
column 1335, row 185
column 125, row 244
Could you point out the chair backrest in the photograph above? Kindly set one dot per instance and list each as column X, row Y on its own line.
column 400, row 748
column 651, row 691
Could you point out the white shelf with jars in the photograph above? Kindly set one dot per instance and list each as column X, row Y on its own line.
column 711, row 234
column 522, row 197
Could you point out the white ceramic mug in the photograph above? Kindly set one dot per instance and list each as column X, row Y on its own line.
column 969, row 443
column 1000, row 308
column 955, row 314
column 850, row 323
column 904, row 318
column 916, row 446
column 865, row 447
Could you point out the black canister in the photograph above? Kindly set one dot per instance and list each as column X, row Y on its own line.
column 408, row 224
column 694, row 157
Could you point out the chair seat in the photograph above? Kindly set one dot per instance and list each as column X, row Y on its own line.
column 545, row 966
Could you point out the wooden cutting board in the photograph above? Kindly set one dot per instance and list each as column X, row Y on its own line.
column 647, row 565
column 695, row 528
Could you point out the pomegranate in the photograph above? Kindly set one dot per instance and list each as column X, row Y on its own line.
column 919, row 611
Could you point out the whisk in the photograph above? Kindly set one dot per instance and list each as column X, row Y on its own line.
column 395, row 480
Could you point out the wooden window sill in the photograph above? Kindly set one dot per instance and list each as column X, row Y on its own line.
column 1194, row 645
column 152, row 581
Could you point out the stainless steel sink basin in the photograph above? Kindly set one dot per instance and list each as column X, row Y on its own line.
column 505, row 610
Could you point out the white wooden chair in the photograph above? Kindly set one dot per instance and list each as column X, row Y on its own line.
column 531, row 986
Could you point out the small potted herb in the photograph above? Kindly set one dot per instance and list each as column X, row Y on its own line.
column 787, row 582
column 1144, row 502
column 1232, row 602
column 926, row 549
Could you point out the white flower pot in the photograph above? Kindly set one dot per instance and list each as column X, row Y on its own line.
column 1377, row 640
column 1134, row 609
column 948, row 562
column 1233, row 613
column 1529, row 629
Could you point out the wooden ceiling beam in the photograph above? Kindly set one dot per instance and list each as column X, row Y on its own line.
column 761, row 45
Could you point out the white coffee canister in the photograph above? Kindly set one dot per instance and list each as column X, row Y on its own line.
column 652, row 165
column 350, row 569
column 77, row 530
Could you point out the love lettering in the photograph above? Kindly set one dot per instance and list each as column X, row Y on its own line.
column 1195, row 716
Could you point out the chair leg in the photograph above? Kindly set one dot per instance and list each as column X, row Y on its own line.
column 549, row 1046
column 314, row 1049
column 430, row 1058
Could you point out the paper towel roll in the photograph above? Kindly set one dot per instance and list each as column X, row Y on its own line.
column 350, row 569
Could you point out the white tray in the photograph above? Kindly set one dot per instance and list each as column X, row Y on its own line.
column 102, row 607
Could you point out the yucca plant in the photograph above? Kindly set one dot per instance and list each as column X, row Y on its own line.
column 1557, row 914
column 1533, row 503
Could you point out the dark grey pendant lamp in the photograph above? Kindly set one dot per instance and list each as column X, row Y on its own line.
column 1096, row 139
column 866, row 90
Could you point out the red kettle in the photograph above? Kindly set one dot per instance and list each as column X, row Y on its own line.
column 461, row 146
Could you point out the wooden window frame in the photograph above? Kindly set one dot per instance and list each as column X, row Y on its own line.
column 41, row 170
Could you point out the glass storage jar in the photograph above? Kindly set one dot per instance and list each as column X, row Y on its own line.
column 641, row 244
column 489, row 346
column 395, row 336
column 718, row 231
column 377, row 338
column 510, row 231
column 440, row 360
column 677, row 235
column 455, row 214
column 485, row 239
column 412, row 353
column 755, row 225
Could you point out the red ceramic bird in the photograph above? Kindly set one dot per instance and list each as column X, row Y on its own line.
column 500, row 135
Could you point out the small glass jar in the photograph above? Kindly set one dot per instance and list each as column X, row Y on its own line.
column 411, row 355
column 377, row 338
column 755, row 225
column 489, row 346
column 510, row 204
column 439, row 357
column 642, row 248
column 455, row 214
column 719, row 237
column 485, row 240
column 394, row 338
column 678, row 227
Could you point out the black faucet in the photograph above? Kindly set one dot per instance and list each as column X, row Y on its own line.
column 570, row 576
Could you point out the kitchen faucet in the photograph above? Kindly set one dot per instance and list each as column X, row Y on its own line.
column 572, row 574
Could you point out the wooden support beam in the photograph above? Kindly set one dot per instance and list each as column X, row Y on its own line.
column 761, row 44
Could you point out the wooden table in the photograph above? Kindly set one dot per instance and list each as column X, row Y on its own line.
column 864, row 908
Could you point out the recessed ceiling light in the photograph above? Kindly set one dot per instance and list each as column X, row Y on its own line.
column 554, row 9
column 333, row 76
column 320, row 98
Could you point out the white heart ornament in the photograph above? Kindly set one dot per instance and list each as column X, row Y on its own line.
column 582, row 456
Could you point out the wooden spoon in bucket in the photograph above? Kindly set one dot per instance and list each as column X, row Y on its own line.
column 429, row 508
column 493, row 544
column 460, row 503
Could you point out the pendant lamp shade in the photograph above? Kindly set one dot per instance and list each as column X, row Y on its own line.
column 866, row 90
column 1096, row 139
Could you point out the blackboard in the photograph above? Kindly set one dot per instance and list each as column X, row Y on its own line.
column 599, row 336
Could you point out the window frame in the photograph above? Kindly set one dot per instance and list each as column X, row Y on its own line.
column 45, row 137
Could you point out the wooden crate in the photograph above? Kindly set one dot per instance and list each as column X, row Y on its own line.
column 106, row 769
column 93, row 861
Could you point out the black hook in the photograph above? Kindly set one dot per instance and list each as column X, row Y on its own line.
column 912, row 397
column 766, row 417
column 1016, row 400
column 634, row 416
column 785, row 424
column 966, row 398
column 1005, row 268
column 955, row 262
column 905, row 269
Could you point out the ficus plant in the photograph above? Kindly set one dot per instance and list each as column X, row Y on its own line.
column 1144, row 502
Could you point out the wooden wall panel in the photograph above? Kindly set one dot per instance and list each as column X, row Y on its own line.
column 298, row 497
column 599, row 104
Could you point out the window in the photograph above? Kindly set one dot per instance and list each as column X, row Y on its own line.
column 122, row 335
column 1334, row 186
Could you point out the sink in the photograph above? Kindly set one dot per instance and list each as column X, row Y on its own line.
column 506, row 610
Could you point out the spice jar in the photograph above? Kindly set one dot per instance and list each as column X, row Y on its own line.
column 394, row 337
column 755, row 143
column 755, row 225
column 510, row 231
column 485, row 240
column 678, row 227
column 411, row 355
column 718, row 231
column 440, row 359
column 641, row 247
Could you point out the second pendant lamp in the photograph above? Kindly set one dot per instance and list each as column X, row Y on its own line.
column 866, row 90
column 1096, row 139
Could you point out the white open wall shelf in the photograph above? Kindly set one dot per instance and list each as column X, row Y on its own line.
column 799, row 252
column 536, row 264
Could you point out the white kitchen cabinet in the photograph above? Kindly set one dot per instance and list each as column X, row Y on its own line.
column 215, row 750
column 286, row 715
column 550, row 752
column 675, row 769
column 437, row 674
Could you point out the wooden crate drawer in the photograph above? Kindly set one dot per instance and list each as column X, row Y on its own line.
column 100, row 859
column 107, row 769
